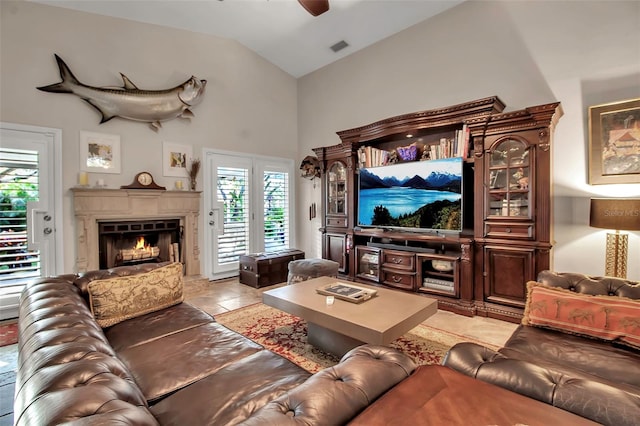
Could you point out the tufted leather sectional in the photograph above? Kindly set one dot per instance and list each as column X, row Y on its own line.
column 175, row 366
column 592, row 378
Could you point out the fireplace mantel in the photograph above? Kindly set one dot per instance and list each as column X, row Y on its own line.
column 94, row 205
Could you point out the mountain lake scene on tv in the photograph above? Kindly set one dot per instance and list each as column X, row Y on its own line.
column 421, row 194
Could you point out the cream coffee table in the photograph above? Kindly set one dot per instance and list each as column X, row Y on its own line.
column 342, row 326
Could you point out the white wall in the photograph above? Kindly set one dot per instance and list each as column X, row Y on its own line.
column 580, row 53
column 250, row 104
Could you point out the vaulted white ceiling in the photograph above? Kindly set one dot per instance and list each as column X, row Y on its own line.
column 281, row 31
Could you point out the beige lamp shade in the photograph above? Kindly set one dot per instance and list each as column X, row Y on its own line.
column 621, row 214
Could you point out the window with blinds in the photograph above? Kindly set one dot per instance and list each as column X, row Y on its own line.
column 233, row 195
column 18, row 185
column 276, row 211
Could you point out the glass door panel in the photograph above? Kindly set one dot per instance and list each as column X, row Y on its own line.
column 368, row 263
column 509, row 175
column 337, row 185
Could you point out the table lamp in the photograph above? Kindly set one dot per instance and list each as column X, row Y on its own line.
column 619, row 214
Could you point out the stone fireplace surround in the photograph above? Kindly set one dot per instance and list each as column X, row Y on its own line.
column 92, row 206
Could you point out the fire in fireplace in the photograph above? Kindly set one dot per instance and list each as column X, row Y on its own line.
column 141, row 250
column 134, row 242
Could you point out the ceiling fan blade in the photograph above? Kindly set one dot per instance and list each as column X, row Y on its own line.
column 315, row 7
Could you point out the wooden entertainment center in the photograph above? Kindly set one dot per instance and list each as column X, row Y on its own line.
column 506, row 236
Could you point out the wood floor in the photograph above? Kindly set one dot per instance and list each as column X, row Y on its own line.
column 216, row 297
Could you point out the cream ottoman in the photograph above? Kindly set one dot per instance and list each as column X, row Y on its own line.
column 304, row 269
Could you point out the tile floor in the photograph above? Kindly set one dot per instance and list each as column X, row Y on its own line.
column 222, row 296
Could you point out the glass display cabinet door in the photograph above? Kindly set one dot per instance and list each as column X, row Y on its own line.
column 336, row 189
column 509, row 176
column 368, row 263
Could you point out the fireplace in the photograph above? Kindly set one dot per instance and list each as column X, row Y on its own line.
column 106, row 218
column 133, row 242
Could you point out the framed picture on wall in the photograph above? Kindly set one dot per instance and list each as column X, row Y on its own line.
column 614, row 143
column 175, row 159
column 99, row 152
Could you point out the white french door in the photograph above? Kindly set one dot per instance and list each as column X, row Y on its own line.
column 273, row 226
column 248, row 203
column 228, row 214
column 29, row 208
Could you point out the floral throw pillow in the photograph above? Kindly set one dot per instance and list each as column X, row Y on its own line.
column 603, row 317
column 114, row 300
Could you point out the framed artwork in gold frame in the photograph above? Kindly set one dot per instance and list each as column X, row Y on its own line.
column 614, row 143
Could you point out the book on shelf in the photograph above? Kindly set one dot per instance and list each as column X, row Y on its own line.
column 369, row 156
column 437, row 284
column 458, row 146
column 465, row 139
column 446, row 148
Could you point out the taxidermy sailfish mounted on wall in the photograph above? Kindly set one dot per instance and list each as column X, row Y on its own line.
column 149, row 106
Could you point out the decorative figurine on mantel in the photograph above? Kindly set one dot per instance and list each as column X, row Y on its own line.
column 193, row 173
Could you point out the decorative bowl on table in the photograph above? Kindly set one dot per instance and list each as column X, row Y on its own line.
column 442, row 265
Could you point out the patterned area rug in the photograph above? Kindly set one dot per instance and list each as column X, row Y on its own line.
column 286, row 335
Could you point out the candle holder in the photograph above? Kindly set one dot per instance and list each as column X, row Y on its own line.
column 83, row 179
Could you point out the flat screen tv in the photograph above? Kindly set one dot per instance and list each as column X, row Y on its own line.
column 415, row 196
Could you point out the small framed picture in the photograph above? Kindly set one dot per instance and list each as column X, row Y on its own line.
column 614, row 143
column 99, row 152
column 175, row 159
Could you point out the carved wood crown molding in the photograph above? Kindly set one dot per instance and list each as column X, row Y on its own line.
column 543, row 117
column 465, row 256
column 341, row 151
column 532, row 117
column 483, row 116
column 543, row 140
column 468, row 111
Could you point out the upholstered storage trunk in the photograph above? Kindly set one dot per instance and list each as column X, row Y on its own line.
column 264, row 269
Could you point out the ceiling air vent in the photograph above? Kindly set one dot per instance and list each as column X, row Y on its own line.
column 339, row 46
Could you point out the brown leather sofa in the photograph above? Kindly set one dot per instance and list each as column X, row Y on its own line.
column 174, row 366
column 593, row 378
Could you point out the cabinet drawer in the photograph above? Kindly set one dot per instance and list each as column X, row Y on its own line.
column 399, row 260
column 337, row 221
column 509, row 230
column 405, row 281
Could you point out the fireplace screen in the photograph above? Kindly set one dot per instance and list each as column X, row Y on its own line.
column 134, row 242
